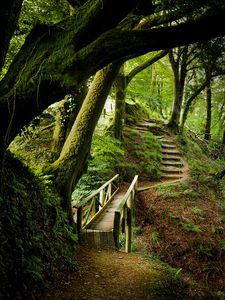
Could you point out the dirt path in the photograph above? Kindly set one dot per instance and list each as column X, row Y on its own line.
column 107, row 274
column 111, row 275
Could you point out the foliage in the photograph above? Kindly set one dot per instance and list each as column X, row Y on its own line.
column 197, row 211
column 190, row 226
column 146, row 154
column 34, row 13
column 171, row 286
column 200, row 164
column 36, row 239
column 106, row 154
column 153, row 87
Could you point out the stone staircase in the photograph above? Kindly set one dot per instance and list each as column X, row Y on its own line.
column 173, row 166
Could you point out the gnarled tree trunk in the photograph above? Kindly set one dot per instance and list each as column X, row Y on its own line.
column 67, row 112
column 69, row 166
column 9, row 15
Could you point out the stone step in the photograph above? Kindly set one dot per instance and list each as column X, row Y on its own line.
column 173, row 163
column 171, row 151
column 166, row 140
column 171, row 158
column 171, row 176
column 168, row 146
column 171, row 170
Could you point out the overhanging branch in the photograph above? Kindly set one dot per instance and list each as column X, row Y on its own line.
column 115, row 43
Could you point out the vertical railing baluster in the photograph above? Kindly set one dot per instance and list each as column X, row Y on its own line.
column 79, row 222
column 128, row 230
column 110, row 190
column 116, row 228
column 102, row 198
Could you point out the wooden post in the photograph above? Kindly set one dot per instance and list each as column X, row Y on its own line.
column 93, row 207
column 129, row 224
column 102, row 198
column 110, row 190
column 79, row 222
column 116, row 229
column 123, row 223
column 128, row 232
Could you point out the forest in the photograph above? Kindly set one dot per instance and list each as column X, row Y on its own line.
column 91, row 89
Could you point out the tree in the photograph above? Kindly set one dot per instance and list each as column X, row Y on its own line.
column 179, row 67
column 93, row 37
column 209, row 62
column 70, row 164
column 121, row 83
column 9, row 15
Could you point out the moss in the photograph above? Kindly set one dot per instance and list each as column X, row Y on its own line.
column 36, row 240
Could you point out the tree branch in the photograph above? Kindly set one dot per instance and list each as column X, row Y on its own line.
column 146, row 64
column 115, row 43
column 9, row 15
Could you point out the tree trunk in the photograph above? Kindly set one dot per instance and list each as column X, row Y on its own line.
column 70, row 165
column 209, row 111
column 67, row 112
column 188, row 104
column 39, row 77
column 9, row 15
column 119, row 115
column 179, row 68
column 121, row 84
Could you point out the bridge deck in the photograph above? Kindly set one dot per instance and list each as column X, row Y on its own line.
column 106, row 219
column 100, row 233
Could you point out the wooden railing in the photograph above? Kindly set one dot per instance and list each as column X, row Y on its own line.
column 88, row 208
column 123, row 216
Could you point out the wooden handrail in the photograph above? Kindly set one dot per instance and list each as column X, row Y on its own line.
column 85, row 199
column 123, row 216
column 100, row 199
column 126, row 197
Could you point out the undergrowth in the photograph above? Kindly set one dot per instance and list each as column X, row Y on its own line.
column 106, row 154
column 36, row 240
column 142, row 156
column 184, row 224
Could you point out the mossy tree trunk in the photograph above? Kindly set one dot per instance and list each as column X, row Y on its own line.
column 67, row 111
column 38, row 76
column 69, row 166
column 223, row 138
column 208, row 107
column 9, row 15
column 179, row 67
column 87, row 41
column 121, row 83
column 120, row 102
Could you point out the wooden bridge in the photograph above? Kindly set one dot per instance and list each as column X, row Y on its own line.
column 106, row 212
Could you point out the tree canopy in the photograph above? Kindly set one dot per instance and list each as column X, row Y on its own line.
column 55, row 59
